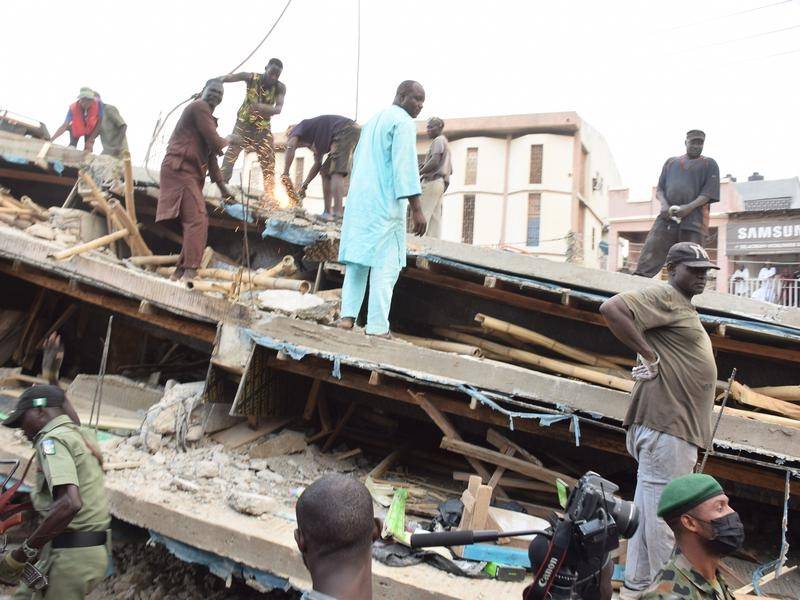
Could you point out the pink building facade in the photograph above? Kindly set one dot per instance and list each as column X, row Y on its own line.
column 629, row 221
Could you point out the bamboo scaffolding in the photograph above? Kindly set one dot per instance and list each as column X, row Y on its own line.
column 156, row 259
column 763, row 417
column 542, row 362
column 789, row 393
column 96, row 243
column 743, row 394
column 285, row 267
column 587, row 358
column 441, row 345
column 256, row 282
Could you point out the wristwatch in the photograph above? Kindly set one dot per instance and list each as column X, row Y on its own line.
column 28, row 551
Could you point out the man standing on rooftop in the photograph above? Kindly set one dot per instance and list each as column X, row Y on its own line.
column 688, row 184
column 384, row 183
column 435, row 175
column 669, row 416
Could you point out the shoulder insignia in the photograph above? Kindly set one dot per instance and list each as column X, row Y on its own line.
column 48, row 446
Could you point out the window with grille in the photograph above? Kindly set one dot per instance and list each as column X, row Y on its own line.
column 298, row 171
column 468, row 219
column 534, row 218
column 471, row 173
column 537, row 151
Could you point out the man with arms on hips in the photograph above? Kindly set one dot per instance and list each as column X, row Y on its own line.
column 669, row 416
column 435, row 176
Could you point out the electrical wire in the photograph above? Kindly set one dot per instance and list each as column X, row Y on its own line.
column 739, row 39
column 161, row 122
column 725, row 16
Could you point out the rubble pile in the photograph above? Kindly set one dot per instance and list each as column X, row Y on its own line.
column 150, row 572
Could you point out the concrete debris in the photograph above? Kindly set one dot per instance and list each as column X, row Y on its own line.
column 252, row 504
column 286, row 442
column 41, row 230
column 173, row 413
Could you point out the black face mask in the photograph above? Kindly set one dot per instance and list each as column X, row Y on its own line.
column 727, row 534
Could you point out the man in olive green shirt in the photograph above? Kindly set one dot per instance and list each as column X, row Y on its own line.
column 113, row 132
column 669, row 416
column 70, row 545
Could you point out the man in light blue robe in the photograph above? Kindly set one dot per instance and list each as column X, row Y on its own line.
column 384, row 181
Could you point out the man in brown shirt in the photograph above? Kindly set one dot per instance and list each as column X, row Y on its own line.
column 192, row 151
column 669, row 417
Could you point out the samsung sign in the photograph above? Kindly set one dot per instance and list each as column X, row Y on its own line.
column 779, row 235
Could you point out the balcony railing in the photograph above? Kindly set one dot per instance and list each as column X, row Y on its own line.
column 785, row 292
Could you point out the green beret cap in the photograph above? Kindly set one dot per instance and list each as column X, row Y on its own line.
column 684, row 493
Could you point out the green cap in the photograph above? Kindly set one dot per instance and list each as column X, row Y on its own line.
column 684, row 493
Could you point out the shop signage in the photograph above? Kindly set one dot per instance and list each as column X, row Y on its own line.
column 776, row 235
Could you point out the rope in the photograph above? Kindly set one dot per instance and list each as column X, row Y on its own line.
column 777, row 564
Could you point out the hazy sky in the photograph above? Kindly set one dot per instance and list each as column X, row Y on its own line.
column 641, row 72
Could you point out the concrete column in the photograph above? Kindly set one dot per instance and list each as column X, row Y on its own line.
column 504, row 219
column 613, row 249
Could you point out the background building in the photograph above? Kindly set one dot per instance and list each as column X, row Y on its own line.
column 754, row 236
column 535, row 183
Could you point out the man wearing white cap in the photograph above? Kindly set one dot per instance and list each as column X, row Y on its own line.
column 84, row 118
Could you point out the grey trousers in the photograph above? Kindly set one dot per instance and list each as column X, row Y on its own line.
column 431, row 204
column 662, row 457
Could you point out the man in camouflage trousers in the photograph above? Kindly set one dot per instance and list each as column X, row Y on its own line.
column 71, row 544
column 263, row 100
column 706, row 529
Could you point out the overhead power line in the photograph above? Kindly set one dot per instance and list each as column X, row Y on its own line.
column 739, row 39
column 728, row 15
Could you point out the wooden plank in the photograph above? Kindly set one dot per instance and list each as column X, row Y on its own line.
column 447, row 428
column 339, row 426
column 311, row 402
column 511, row 463
column 765, row 579
column 242, row 434
column 511, row 482
column 499, row 441
column 37, row 305
column 380, row 469
column 498, row 472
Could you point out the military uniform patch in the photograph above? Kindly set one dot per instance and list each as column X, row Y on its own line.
column 48, row 447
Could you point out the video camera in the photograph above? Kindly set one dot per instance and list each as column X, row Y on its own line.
column 568, row 558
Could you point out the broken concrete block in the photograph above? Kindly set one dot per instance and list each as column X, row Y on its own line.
column 164, row 421
column 258, row 464
column 153, row 442
column 194, row 433
column 267, row 475
column 216, row 417
column 41, row 230
column 252, row 504
column 118, row 391
column 185, row 485
column 206, row 469
column 286, row 442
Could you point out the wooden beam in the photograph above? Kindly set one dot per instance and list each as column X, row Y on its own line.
column 509, row 462
column 197, row 330
column 339, row 426
column 37, row 177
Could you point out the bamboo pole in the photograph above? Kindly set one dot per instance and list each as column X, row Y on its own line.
column 789, row 393
column 96, row 243
column 533, row 337
column 763, row 417
column 130, row 202
column 441, row 345
column 742, row 393
column 13, row 210
column 156, row 259
column 257, row 281
column 542, row 362
column 210, row 286
column 286, row 266
column 38, row 211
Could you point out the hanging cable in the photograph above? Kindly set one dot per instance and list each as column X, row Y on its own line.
column 160, row 123
column 739, row 39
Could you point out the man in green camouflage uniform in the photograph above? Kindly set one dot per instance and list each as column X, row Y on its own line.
column 71, row 544
column 706, row 529
column 263, row 100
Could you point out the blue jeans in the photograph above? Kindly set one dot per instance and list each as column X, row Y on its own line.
column 381, row 287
